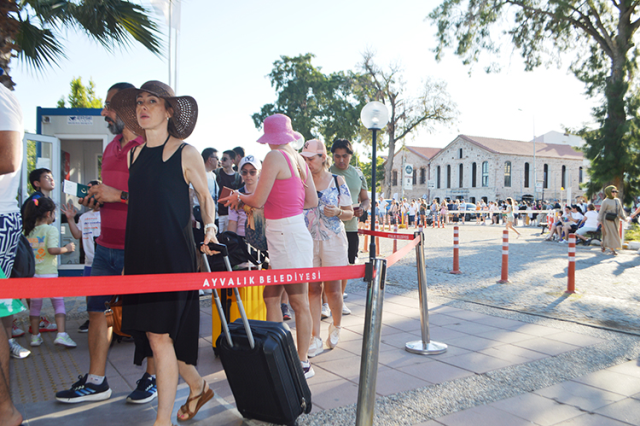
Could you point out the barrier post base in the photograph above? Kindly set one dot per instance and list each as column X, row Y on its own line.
column 503, row 282
column 455, row 272
column 422, row 348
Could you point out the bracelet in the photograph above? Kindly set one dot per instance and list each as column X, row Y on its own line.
column 239, row 199
column 210, row 225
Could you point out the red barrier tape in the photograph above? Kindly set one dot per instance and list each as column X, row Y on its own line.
column 22, row 288
column 391, row 260
column 392, row 235
column 18, row 288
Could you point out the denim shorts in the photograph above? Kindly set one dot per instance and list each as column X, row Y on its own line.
column 106, row 262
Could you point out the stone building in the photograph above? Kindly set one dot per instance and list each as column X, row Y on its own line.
column 419, row 158
column 476, row 168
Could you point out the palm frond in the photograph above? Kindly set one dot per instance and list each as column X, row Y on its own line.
column 109, row 21
column 38, row 47
column 50, row 12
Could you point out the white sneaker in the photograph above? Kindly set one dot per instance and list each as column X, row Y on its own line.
column 344, row 296
column 325, row 312
column 64, row 340
column 18, row 351
column 315, row 347
column 334, row 336
column 36, row 340
column 308, row 370
column 345, row 310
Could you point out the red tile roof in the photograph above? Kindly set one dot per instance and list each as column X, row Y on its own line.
column 505, row 146
column 424, row 152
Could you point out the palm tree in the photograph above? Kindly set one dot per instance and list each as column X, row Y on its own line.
column 28, row 29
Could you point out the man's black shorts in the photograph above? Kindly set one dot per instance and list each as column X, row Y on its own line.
column 354, row 242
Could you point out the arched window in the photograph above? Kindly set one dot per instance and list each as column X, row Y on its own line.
column 394, row 178
column 545, row 172
column 564, row 177
column 438, row 177
column 485, row 174
column 580, row 175
column 526, row 175
column 460, row 176
column 423, row 176
column 474, row 172
column 507, row 174
column 448, row 176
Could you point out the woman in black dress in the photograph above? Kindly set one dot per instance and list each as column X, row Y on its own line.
column 159, row 239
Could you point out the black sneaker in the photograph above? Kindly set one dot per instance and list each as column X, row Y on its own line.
column 82, row 391
column 145, row 392
column 84, row 328
column 285, row 311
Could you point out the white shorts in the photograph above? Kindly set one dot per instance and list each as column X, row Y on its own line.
column 331, row 252
column 290, row 244
column 583, row 231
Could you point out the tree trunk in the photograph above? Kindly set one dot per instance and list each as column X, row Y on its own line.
column 388, row 166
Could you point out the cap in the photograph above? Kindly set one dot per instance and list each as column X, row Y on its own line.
column 249, row 159
column 313, row 147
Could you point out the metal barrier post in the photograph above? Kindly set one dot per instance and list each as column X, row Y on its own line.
column 504, row 275
column 424, row 346
column 571, row 271
column 371, row 344
column 456, row 245
column 365, row 248
column 395, row 241
column 377, row 238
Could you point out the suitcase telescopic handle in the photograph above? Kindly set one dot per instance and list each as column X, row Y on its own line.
column 223, row 320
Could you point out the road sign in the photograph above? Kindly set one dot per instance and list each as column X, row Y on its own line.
column 407, row 179
column 431, row 184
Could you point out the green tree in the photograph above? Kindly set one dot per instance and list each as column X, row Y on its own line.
column 431, row 106
column 30, row 29
column 599, row 34
column 81, row 96
column 319, row 105
column 365, row 165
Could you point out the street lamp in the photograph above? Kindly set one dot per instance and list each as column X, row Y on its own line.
column 374, row 116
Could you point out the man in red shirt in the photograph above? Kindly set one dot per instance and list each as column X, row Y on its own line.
column 109, row 260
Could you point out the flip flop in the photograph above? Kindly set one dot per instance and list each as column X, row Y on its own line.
column 203, row 398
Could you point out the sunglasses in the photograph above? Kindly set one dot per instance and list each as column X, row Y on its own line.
column 248, row 172
column 615, row 191
column 107, row 106
column 225, row 158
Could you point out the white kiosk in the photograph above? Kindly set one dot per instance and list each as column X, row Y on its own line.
column 70, row 143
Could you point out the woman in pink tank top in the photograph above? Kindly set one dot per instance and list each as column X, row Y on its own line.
column 285, row 188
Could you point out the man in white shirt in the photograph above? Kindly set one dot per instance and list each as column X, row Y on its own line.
column 463, row 210
column 210, row 158
column 11, row 133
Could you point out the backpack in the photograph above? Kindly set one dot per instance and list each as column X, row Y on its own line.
column 238, row 252
column 24, row 265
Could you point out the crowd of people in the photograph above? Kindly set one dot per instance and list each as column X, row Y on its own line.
column 302, row 208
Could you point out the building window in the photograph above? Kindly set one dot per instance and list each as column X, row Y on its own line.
column 415, row 176
column 526, row 175
column 394, row 178
column 545, row 172
column 423, row 176
column 507, row 174
column 460, row 153
column 580, row 175
column 485, row 174
column 438, row 177
column 461, row 176
column 448, row 176
column 474, row 172
column 564, row 177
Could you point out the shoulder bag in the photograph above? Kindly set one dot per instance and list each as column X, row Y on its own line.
column 113, row 315
column 612, row 216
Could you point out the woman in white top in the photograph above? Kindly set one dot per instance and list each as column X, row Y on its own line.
column 325, row 224
column 590, row 222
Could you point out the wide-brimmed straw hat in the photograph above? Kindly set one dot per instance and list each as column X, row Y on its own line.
column 185, row 108
column 278, row 130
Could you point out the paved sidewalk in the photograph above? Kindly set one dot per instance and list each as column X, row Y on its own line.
column 507, row 363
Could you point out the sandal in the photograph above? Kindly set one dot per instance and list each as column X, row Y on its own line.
column 203, row 398
column 604, row 249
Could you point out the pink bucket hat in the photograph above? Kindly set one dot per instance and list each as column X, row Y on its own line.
column 278, row 130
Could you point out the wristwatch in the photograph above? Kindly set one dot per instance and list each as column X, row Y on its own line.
column 124, row 197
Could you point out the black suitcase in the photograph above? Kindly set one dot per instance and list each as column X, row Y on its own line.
column 262, row 366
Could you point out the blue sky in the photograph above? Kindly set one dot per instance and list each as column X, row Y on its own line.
column 227, row 49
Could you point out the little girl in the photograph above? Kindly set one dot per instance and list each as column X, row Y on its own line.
column 36, row 223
